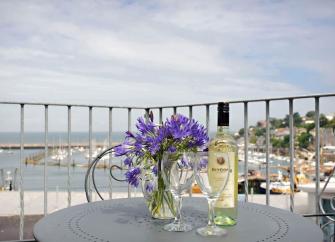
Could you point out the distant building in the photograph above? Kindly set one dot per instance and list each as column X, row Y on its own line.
column 328, row 153
column 327, row 137
column 309, row 121
column 280, row 133
column 260, row 142
column 261, row 124
column 330, row 116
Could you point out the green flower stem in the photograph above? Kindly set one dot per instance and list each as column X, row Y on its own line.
column 161, row 197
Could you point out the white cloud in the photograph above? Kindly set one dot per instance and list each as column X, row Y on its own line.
column 153, row 53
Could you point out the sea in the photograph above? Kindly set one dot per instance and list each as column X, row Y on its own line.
column 57, row 176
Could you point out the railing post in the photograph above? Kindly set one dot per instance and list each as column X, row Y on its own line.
column 69, row 155
column 110, row 129
column 90, row 148
column 190, row 114
column 207, row 118
column 174, row 110
column 45, row 159
column 291, row 125
column 267, row 137
column 246, row 142
column 21, row 173
column 129, row 129
column 317, row 155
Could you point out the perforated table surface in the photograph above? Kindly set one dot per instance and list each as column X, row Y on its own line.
column 126, row 220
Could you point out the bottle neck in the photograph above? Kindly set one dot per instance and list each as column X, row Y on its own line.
column 223, row 129
column 223, row 118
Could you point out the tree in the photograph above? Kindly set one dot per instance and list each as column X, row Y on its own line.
column 304, row 140
column 297, row 120
column 331, row 124
column 286, row 121
column 253, row 139
column 260, row 131
column 281, row 143
column 286, row 141
column 309, row 127
column 276, row 143
column 241, row 132
column 310, row 114
column 323, row 120
column 276, row 122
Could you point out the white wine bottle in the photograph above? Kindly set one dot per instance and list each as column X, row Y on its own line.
column 222, row 149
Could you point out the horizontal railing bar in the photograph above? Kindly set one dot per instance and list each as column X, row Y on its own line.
column 69, row 104
column 177, row 106
column 249, row 100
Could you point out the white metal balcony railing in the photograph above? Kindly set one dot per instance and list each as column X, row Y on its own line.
column 267, row 102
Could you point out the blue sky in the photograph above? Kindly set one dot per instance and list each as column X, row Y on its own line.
column 165, row 52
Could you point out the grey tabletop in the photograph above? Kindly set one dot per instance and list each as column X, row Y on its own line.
column 128, row 220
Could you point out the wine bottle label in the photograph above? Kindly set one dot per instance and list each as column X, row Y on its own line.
column 220, row 163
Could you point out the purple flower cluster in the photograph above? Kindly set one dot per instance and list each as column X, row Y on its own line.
column 178, row 133
column 180, row 127
column 133, row 175
column 149, row 187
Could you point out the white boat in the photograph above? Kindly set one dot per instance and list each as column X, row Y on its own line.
column 60, row 154
column 329, row 164
column 9, row 151
column 277, row 187
column 95, row 153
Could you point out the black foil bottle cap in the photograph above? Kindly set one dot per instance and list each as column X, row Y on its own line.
column 223, row 114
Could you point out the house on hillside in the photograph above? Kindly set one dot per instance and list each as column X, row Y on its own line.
column 280, row 133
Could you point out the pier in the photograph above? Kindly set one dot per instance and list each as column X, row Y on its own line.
column 51, row 146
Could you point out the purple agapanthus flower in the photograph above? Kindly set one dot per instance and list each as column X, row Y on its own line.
column 181, row 127
column 133, row 176
column 119, row 150
column 184, row 162
column 124, row 148
column 203, row 163
column 149, row 187
column 129, row 134
column 145, row 147
column 172, row 148
column 145, row 127
column 128, row 161
column 155, row 170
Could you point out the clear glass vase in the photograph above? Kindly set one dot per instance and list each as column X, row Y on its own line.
column 160, row 202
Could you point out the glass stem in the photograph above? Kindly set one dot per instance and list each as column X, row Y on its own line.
column 178, row 200
column 211, row 214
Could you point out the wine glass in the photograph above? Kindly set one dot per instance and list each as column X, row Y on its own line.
column 211, row 173
column 178, row 175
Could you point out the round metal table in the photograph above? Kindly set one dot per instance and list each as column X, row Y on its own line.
column 123, row 220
